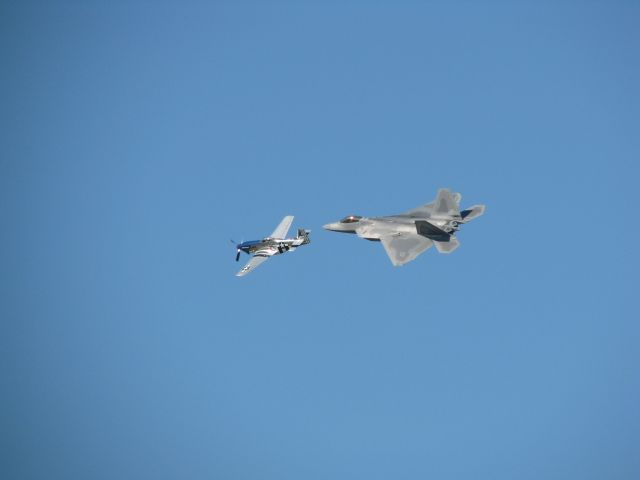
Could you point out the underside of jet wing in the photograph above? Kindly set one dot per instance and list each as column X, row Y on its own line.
column 403, row 247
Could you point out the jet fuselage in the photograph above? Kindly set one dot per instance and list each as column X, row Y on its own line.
column 404, row 236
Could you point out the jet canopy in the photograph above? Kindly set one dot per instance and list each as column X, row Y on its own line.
column 351, row 219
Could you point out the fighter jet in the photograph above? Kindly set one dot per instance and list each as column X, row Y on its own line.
column 407, row 235
column 274, row 244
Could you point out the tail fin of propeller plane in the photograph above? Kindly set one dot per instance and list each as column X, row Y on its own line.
column 304, row 235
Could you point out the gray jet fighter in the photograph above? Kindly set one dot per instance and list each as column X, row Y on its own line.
column 407, row 235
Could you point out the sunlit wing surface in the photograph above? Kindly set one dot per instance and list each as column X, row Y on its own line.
column 403, row 248
column 446, row 203
column 421, row 211
column 282, row 229
column 252, row 264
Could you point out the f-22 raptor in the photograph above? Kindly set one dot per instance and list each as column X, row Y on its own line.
column 407, row 235
column 274, row 244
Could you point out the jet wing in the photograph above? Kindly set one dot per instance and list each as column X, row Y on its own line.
column 256, row 260
column 445, row 204
column 282, row 229
column 404, row 247
column 424, row 211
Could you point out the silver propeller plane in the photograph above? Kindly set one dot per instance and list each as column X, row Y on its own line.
column 274, row 244
column 407, row 235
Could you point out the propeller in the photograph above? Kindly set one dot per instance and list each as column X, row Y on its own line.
column 238, row 249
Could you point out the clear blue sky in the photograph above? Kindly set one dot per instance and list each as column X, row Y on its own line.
column 138, row 137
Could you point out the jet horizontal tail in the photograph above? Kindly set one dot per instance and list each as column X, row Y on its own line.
column 470, row 213
column 447, row 247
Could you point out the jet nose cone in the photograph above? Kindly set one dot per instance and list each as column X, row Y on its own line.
column 329, row 226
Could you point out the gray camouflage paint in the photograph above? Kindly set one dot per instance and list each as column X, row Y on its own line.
column 407, row 235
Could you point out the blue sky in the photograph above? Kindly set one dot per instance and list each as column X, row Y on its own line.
column 138, row 137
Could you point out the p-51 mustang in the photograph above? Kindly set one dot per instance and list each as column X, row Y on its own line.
column 407, row 235
column 274, row 244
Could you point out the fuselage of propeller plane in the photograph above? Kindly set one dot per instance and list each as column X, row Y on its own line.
column 281, row 245
column 274, row 244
